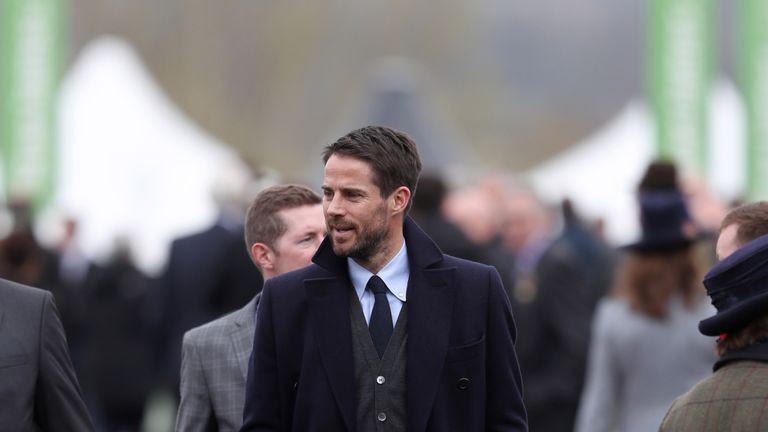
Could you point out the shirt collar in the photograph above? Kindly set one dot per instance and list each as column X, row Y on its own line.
column 394, row 274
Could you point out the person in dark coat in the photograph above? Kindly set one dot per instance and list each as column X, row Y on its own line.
column 208, row 274
column 733, row 398
column 117, row 361
column 38, row 387
column 427, row 212
column 70, row 280
column 572, row 272
column 383, row 331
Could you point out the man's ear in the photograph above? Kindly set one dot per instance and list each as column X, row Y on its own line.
column 400, row 198
column 262, row 256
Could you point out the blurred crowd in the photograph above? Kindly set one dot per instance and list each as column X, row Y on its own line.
column 588, row 313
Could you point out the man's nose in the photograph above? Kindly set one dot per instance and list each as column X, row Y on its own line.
column 335, row 206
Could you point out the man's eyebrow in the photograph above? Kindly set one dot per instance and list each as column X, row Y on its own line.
column 345, row 189
column 353, row 189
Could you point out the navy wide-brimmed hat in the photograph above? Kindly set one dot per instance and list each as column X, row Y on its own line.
column 664, row 221
column 738, row 286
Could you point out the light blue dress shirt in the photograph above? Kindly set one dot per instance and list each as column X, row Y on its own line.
column 395, row 274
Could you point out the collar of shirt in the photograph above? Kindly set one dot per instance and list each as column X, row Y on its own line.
column 395, row 274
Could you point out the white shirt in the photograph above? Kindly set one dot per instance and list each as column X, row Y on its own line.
column 394, row 274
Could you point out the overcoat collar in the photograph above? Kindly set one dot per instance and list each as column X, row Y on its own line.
column 430, row 304
column 756, row 352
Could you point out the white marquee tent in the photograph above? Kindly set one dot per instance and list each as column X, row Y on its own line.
column 131, row 164
column 600, row 174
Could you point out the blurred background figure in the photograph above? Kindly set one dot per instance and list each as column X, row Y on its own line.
column 476, row 211
column 561, row 273
column 645, row 347
column 427, row 211
column 73, row 276
column 118, row 365
column 22, row 258
column 209, row 273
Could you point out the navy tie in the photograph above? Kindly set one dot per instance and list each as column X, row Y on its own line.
column 380, row 324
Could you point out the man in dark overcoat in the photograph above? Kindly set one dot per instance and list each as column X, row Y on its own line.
column 383, row 332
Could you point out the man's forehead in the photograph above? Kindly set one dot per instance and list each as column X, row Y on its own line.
column 348, row 183
column 304, row 214
column 727, row 241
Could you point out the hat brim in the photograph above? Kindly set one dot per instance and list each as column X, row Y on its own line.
column 736, row 317
column 642, row 247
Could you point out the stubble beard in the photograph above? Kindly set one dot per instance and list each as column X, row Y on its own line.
column 370, row 241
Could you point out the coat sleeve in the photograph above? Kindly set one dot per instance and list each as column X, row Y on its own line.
column 195, row 412
column 262, row 410
column 601, row 390
column 59, row 403
column 504, row 399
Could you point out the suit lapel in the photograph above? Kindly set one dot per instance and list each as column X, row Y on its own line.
column 3, row 302
column 329, row 317
column 430, row 307
column 242, row 336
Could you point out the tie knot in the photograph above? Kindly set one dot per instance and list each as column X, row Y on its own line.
column 376, row 285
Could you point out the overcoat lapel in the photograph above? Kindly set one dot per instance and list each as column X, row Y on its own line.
column 329, row 318
column 430, row 307
column 431, row 294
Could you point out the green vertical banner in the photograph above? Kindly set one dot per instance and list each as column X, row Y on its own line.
column 680, row 58
column 31, row 47
column 753, row 58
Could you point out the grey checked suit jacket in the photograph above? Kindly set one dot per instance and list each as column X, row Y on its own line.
column 38, row 387
column 214, row 365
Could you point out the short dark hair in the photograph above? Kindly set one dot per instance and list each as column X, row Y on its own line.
column 262, row 222
column 392, row 155
column 750, row 219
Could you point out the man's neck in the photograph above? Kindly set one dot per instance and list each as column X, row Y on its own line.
column 390, row 247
